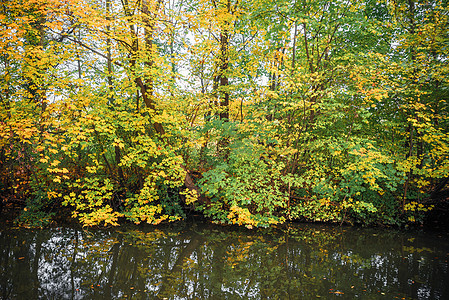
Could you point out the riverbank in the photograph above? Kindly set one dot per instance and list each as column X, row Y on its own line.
column 435, row 220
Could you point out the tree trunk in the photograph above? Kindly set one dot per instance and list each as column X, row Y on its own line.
column 147, row 87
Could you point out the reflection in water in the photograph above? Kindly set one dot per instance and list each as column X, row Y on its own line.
column 196, row 261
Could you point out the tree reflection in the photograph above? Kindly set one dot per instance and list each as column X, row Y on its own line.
column 206, row 262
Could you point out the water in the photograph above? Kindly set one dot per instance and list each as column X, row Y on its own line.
column 200, row 261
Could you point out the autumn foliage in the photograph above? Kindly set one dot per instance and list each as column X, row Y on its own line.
column 248, row 112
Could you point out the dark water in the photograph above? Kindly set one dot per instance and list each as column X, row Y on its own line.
column 198, row 261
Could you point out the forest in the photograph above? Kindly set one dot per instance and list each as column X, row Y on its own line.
column 250, row 112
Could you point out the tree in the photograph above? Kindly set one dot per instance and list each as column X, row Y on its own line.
column 248, row 112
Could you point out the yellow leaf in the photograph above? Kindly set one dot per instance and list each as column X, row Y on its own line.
column 55, row 163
